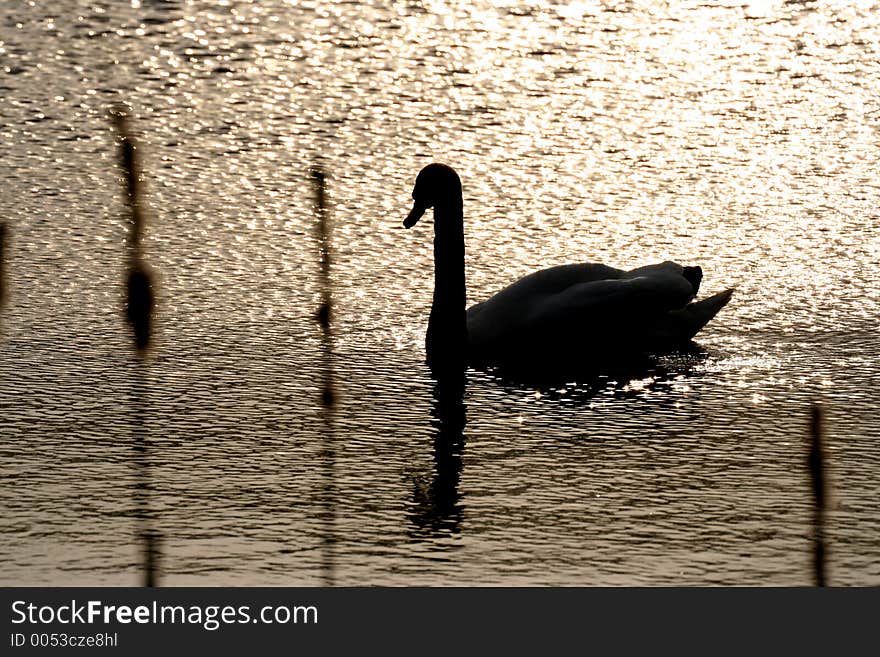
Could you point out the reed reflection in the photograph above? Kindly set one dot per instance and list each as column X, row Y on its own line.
column 145, row 516
column 816, row 465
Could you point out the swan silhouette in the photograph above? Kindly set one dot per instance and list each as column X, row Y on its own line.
column 569, row 315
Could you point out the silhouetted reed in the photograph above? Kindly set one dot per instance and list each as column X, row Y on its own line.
column 324, row 317
column 139, row 314
column 816, row 463
column 139, row 284
column 2, row 264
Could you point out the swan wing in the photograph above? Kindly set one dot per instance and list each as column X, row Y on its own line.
column 543, row 285
column 614, row 303
column 546, row 282
column 595, row 311
column 506, row 309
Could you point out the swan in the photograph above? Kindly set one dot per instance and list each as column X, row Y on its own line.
column 575, row 314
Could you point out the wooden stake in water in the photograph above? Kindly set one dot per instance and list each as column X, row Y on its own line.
column 328, row 396
column 816, row 463
column 139, row 314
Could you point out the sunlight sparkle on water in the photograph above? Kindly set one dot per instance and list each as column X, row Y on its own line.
column 738, row 136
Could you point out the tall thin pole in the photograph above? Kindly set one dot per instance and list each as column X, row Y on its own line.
column 328, row 395
column 2, row 264
column 139, row 314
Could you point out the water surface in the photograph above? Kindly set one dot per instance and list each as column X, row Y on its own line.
column 742, row 137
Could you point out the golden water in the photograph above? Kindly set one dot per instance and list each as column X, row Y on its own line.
column 739, row 136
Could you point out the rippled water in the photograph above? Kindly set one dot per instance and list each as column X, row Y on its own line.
column 741, row 136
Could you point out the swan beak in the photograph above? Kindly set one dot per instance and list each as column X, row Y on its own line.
column 414, row 215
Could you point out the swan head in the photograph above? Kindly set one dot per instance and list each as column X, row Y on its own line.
column 436, row 184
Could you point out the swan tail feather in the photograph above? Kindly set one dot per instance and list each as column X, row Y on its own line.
column 680, row 326
column 697, row 314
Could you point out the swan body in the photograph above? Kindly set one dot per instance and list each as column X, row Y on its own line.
column 591, row 311
column 577, row 313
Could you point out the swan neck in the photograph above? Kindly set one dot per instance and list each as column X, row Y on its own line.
column 449, row 251
column 447, row 328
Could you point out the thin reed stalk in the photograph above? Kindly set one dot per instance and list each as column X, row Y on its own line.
column 2, row 264
column 816, row 463
column 324, row 317
column 139, row 314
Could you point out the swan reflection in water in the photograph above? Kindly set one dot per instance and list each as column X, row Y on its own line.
column 437, row 508
column 624, row 379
